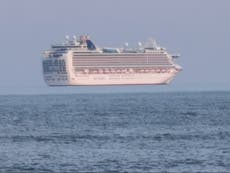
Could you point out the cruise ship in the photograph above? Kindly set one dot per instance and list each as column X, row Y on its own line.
column 78, row 61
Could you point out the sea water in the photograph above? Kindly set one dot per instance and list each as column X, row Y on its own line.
column 139, row 132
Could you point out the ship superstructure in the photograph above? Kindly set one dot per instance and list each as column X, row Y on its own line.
column 78, row 61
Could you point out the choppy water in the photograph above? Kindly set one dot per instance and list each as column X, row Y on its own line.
column 150, row 132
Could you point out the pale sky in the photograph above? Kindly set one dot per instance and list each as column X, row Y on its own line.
column 197, row 29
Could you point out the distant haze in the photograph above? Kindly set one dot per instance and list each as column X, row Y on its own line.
column 198, row 29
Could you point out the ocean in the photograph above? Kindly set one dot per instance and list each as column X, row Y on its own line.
column 120, row 132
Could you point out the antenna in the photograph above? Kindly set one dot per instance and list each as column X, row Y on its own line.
column 155, row 43
column 152, row 42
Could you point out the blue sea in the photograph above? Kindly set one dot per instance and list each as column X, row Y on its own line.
column 120, row 132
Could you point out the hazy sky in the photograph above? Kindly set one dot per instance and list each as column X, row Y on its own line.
column 197, row 29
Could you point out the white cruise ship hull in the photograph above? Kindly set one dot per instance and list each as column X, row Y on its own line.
column 72, row 64
column 122, row 79
column 116, row 79
column 112, row 79
column 115, row 76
